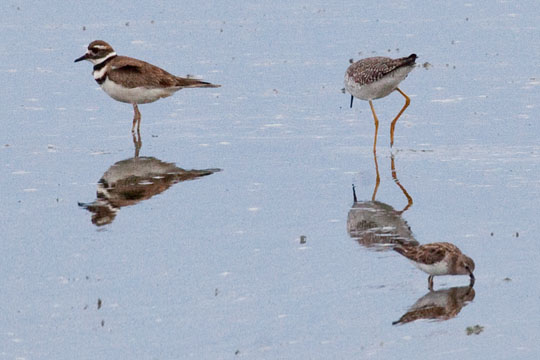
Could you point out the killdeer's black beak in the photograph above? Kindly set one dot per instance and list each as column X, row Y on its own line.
column 84, row 57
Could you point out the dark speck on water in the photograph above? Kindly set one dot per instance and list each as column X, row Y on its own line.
column 476, row 329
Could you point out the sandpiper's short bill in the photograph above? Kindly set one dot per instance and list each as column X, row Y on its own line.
column 440, row 258
column 131, row 80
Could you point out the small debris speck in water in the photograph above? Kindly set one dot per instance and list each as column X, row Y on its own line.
column 507, row 279
column 303, row 239
column 517, row 234
column 351, row 60
column 237, row 352
column 127, row 23
column 152, row 21
column 476, row 329
column 102, row 323
column 427, row 65
column 492, row 234
column 98, row 304
column 84, row 28
column 216, row 292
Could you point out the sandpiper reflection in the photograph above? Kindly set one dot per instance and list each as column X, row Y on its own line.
column 132, row 180
column 374, row 223
column 438, row 305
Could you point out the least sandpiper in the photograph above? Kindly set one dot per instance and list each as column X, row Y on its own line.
column 439, row 258
column 376, row 77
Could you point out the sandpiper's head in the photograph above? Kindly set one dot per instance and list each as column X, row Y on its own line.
column 98, row 51
column 465, row 266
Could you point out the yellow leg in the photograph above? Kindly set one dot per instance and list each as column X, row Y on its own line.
column 378, row 179
column 376, row 126
column 394, row 176
column 136, row 118
column 393, row 125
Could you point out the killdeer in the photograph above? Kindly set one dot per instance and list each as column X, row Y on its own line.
column 376, row 77
column 131, row 80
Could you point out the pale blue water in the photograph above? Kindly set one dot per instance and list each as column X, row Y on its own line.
column 213, row 268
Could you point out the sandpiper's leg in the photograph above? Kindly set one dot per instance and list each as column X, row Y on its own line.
column 393, row 124
column 376, row 126
column 430, row 282
column 136, row 118
column 471, row 283
column 352, row 98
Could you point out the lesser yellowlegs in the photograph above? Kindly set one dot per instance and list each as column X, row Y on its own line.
column 376, row 77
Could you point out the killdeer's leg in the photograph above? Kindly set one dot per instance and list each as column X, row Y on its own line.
column 393, row 125
column 376, row 126
column 430, row 282
column 137, row 142
column 136, row 118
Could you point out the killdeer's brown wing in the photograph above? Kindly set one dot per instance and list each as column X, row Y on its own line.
column 133, row 73
column 372, row 69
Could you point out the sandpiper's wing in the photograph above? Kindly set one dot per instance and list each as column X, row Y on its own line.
column 428, row 253
column 369, row 70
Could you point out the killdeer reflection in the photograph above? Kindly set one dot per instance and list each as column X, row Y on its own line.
column 133, row 180
column 131, row 80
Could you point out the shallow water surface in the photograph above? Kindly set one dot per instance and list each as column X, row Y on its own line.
column 109, row 252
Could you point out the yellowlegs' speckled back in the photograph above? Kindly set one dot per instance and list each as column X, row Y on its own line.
column 376, row 77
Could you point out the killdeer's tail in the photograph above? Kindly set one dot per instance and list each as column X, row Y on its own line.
column 192, row 83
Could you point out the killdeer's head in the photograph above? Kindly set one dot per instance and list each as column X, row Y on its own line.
column 98, row 51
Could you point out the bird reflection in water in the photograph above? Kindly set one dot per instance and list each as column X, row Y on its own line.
column 438, row 305
column 377, row 225
column 133, row 180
